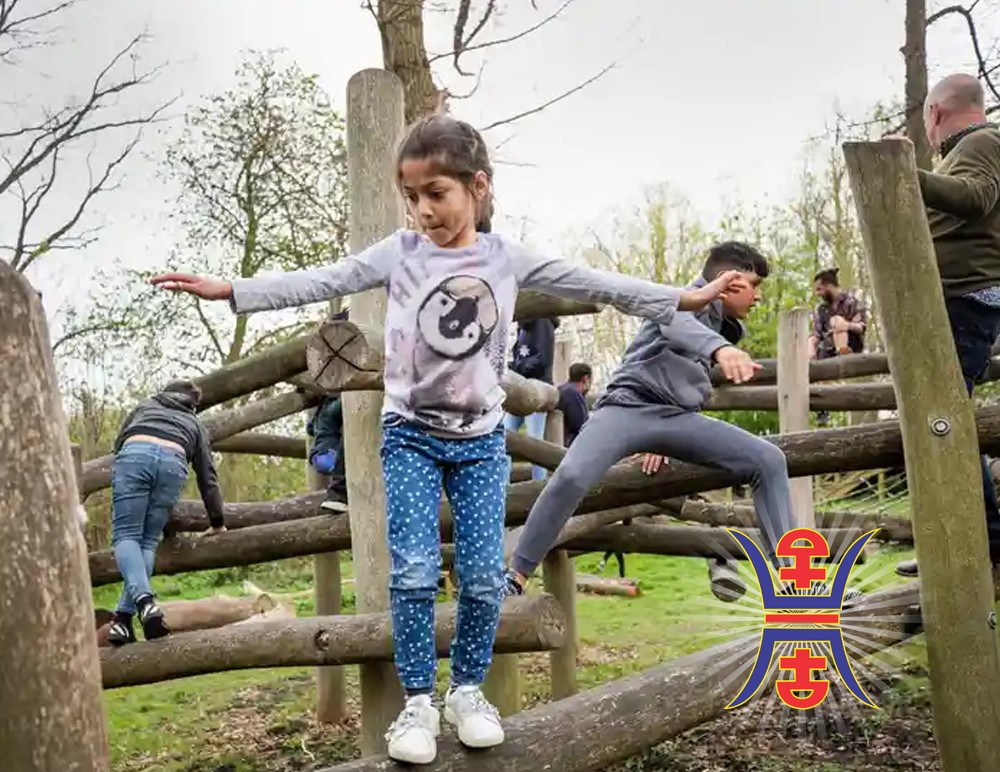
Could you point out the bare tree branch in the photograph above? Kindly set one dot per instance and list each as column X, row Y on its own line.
column 460, row 42
column 554, row 100
column 490, row 43
column 966, row 13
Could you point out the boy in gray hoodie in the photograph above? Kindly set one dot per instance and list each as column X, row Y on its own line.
column 652, row 406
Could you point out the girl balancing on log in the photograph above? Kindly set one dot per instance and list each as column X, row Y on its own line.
column 451, row 286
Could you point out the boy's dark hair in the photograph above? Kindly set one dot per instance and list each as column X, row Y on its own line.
column 734, row 255
column 459, row 151
column 828, row 276
column 578, row 371
column 185, row 387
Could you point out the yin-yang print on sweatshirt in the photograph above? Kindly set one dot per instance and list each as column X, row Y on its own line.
column 448, row 318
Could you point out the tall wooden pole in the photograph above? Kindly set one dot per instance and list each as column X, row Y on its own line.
column 51, row 709
column 558, row 570
column 374, row 131
column 793, row 399
column 331, row 697
column 941, row 453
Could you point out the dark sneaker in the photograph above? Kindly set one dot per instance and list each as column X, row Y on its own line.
column 509, row 586
column 907, row 568
column 154, row 625
column 336, row 501
column 121, row 631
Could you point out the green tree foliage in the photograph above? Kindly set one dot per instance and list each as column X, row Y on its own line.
column 260, row 180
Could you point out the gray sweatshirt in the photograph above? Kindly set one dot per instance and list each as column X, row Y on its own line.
column 668, row 364
column 449, row 312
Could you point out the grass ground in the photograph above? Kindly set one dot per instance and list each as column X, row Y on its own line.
column 257, row 721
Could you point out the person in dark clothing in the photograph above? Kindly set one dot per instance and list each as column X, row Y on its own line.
column 573, row 401
column 155, row 444
column 962, row 197
column 533, row 355
column 327, row 453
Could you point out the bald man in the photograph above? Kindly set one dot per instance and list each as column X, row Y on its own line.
column 962, row 196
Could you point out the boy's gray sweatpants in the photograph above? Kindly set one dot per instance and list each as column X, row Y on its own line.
column 613, row 433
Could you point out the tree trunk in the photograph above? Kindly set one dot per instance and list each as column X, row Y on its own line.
column 401, row 28
column 51, row 713
column 915, row 57
column 532, row 623
column 622, row 718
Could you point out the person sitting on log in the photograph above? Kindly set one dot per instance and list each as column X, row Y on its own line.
column 533, row 354
column 155, row 444
column 962, row 198
column 838, row 323
column 452, row 287
column 327, row 452
column 651, row 406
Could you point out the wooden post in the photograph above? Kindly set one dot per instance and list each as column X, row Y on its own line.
column 941, row 454
column 793, row 399
column 374, row 130
column 558, row 571
column 51, row 709
column 331, row 697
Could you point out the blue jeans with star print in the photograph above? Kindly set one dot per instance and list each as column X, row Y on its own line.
column 473, row 473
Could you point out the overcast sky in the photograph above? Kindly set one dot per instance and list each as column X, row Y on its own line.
column 715, row 98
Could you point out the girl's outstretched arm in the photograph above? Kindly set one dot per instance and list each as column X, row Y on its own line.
column 637, row 297
column 269, row 292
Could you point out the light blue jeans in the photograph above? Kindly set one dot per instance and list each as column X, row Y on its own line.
column 146, row 483
column 416, row 464
column 534, row 426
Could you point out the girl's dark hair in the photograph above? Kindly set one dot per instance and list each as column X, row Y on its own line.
column 458, row 149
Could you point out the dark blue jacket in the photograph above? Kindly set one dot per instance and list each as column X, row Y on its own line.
column 574, row 411
column 535, row 349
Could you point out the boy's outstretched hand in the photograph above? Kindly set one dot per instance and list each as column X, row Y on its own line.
column 205, row 287
column 696, row 299
column 736, row 365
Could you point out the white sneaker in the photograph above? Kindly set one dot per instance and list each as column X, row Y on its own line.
column 477, row 722
column 412, row 737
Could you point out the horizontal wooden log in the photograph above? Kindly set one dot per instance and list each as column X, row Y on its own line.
column 836, row 369
column 853, row 397
column 258, row 443
column 896, row 529
column 600, row 585
column 288, row 359
column 223, row 424
column 529, row 623
column 687, row 540
column 200, row 613
column 244, row 547
column 253, row 373
column 624, row 717
column 345, row 356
